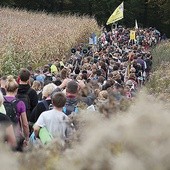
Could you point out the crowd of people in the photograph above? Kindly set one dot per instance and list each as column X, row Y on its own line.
column 47, row 97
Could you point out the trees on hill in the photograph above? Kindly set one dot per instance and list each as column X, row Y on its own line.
column 153, row 13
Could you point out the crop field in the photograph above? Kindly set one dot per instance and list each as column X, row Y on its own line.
column 35, row 39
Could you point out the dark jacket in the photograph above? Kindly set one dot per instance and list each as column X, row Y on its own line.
column 40, row 107
column 89, row 100
column 71, row 101
column 23, row 88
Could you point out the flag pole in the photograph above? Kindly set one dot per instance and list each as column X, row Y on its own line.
column 116, row 25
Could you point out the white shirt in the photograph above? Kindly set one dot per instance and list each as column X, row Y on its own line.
column 56, row 123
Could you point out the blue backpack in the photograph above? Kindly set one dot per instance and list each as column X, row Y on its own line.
column 69, row 108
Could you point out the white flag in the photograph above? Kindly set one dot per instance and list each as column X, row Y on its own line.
column 136, row 24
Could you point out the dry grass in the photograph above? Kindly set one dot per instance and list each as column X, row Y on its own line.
column 139, row 138
column 161, row 54
column 34, row 39
column 159, row 83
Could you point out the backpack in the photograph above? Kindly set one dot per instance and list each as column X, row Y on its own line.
column 25, row 98
column 69, row 108
column 48, row 79
column 47, row 107
column 11, row 109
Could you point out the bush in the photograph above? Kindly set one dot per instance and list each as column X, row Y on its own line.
column 35, row 39
column 161, row 54
column 159, row 83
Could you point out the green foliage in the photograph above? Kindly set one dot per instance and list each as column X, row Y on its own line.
column 158, row 14
column 12, row 61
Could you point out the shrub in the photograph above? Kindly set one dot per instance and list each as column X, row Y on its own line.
column 161, row 53
column 159, row 83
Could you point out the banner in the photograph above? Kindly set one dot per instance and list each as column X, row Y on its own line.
column 132, row 35
column 117, row 14
column 93, row 39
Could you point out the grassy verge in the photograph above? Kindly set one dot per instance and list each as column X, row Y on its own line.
column 161, row 54
column 159, row 83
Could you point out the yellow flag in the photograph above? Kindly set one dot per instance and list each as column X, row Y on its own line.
column 117, row 14
column 132, row 35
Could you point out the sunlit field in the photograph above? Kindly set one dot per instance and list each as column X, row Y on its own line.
column 35, row 39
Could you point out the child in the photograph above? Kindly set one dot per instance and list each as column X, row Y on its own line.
column 55, row 121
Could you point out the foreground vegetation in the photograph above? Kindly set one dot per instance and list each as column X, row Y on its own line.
column 138, row 138
column 161, row 54
column 36, row 39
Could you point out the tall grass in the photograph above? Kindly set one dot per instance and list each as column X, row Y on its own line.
column 161, row 54
column 34, row 39
column 159, row 83
column 138, row 139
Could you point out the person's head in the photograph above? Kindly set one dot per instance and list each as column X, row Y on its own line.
column 48, row 89
column 115, row 74
column 58, row 99
column 36, row 85
column 57, row 82
column 94, row 70
column 56, row 90
column 84, row 76
column 64, row 73
column 24, row 74
column 46, row 68
column 101, row 79
column 3, row 81
column 11, row 84
column 132, row 70
column 84, row 92
column 129, row 83
column 72, row 87
column 1, row 98
column 115, row 67
column 110, row 76
column 119, row 88
column 103, row 95
column 98, row 72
